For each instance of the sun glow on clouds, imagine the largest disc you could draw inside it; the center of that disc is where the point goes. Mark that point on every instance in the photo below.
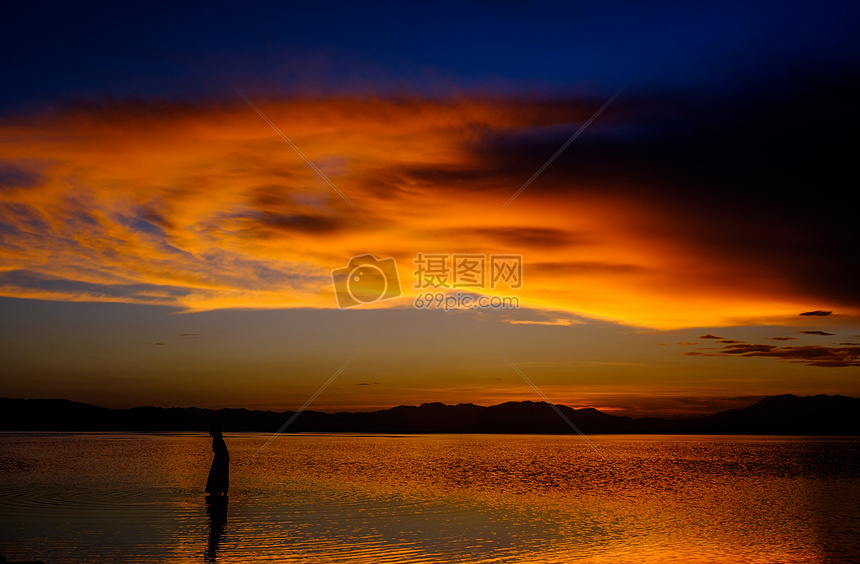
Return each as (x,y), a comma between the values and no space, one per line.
(204,207)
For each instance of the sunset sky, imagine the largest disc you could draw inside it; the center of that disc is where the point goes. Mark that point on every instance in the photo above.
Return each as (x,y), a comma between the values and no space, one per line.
(164,242)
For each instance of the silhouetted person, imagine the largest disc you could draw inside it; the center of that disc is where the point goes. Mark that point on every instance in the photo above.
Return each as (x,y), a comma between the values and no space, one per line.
(219,473)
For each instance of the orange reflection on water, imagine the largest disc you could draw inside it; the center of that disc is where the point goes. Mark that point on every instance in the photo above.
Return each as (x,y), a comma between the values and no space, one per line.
(438,498)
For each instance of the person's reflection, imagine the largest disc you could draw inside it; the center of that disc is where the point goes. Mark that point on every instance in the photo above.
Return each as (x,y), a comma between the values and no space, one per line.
(216,510)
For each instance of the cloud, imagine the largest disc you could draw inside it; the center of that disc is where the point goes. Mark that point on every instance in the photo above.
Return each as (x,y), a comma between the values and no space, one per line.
(525,237)
(709,336)
(701,147)
(747,349)
(302,223)
(809,355)
(586,268)
(557,322)
(202,206)
(816,313)
(816,333)
(19,175)
(527,316)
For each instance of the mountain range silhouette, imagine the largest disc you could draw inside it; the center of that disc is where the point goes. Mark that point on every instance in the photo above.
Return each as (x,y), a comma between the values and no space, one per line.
(775,415)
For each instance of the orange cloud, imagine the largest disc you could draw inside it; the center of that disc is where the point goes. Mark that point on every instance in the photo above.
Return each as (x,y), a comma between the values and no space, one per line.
(205,207)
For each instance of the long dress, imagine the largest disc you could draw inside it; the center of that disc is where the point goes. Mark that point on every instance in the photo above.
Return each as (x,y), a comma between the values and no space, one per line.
(219,472)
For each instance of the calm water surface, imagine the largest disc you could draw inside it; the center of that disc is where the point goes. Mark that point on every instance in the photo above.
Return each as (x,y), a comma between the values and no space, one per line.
(431,499)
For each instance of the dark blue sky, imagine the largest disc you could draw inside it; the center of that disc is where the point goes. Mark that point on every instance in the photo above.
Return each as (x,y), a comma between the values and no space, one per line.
(182,51)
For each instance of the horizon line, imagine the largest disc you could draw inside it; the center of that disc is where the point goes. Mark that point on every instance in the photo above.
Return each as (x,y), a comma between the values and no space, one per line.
(754,402)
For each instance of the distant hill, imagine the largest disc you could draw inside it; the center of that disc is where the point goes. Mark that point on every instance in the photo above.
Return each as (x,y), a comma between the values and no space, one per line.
(787,415)
(777,415)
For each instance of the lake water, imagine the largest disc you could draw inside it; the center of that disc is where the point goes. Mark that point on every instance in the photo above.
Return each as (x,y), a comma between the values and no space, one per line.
(432,499)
